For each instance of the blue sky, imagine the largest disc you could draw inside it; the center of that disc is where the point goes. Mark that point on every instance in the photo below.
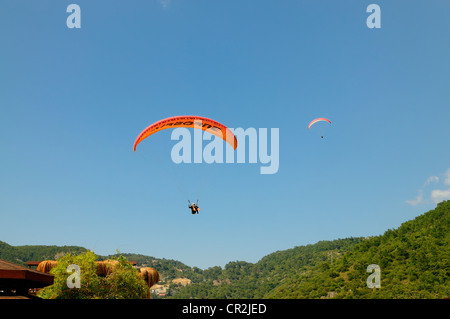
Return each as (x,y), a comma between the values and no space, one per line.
(72,102)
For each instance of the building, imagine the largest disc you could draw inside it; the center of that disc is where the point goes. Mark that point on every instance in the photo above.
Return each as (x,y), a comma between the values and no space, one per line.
(19,282)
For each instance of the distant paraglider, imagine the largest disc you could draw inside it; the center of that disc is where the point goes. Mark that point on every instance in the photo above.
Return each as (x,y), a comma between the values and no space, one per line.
(320,119)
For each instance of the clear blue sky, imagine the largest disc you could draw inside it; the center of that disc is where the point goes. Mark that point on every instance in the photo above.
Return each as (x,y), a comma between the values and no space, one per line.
(72,102)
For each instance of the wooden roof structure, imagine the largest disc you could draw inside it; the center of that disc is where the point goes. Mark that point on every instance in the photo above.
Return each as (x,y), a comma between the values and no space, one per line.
(17,280)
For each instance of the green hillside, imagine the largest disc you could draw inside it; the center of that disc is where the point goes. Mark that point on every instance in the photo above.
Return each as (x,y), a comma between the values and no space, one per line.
(168,269)
(414,261)
(240,279)
(21,254)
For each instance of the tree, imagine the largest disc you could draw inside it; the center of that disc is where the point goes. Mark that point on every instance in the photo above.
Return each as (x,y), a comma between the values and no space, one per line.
(122,283)
(90,283)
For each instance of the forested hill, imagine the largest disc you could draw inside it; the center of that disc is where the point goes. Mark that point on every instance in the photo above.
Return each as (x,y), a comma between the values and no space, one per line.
(240,279)
(414,262)
(21,254)
(169,269)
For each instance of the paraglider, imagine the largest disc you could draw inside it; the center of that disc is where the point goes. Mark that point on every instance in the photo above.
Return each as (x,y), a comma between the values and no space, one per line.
(197,122)
(194,207)
(189,121)
(320,119)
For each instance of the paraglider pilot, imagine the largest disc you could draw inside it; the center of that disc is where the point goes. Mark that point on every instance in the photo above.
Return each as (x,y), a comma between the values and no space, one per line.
(194,208)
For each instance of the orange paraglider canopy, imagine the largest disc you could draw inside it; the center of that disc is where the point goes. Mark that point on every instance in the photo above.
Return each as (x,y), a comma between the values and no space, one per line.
(197,122)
